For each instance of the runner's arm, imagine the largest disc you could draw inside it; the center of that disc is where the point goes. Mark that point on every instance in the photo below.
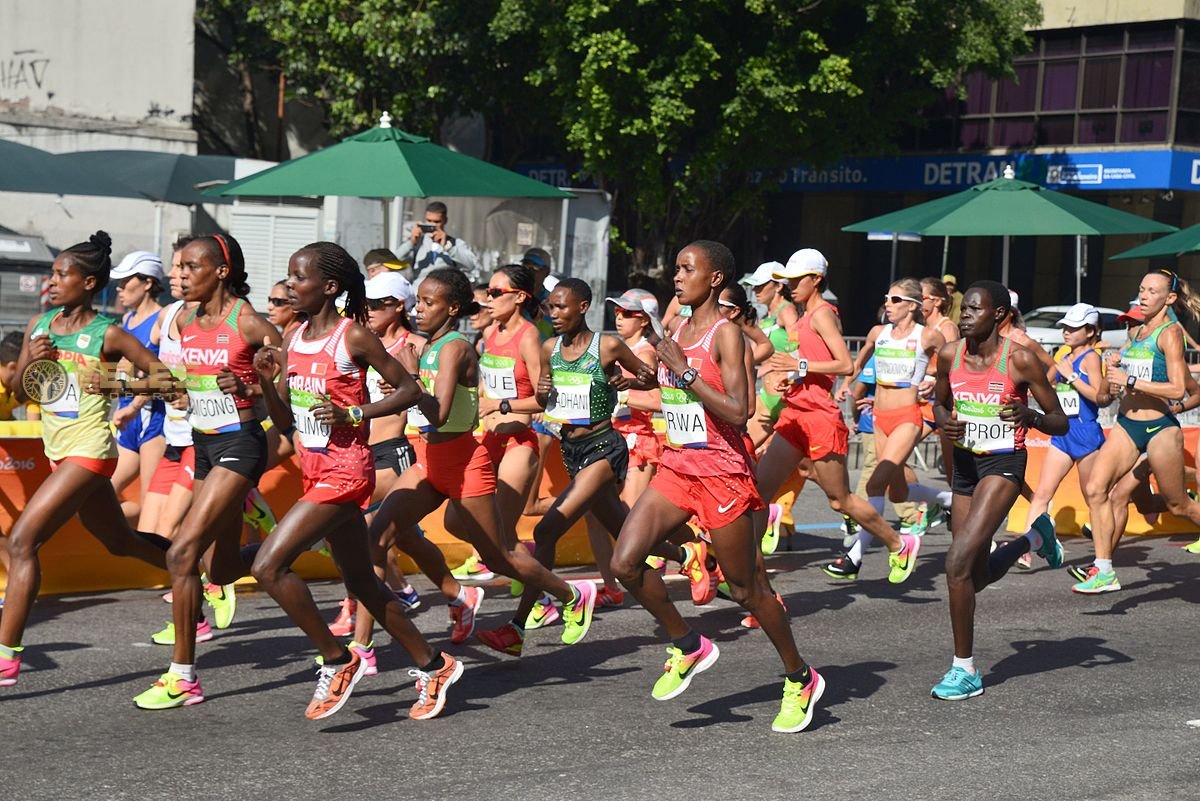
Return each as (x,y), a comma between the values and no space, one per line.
(729,351)
(829,328)
(1027,367)
(614,351)
(454,369)
(367,350)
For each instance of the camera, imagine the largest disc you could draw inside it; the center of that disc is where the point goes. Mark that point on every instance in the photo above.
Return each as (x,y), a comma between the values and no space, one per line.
(428,228)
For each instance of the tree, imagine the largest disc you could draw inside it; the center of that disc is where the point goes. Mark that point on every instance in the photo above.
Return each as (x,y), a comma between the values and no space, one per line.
(683,111)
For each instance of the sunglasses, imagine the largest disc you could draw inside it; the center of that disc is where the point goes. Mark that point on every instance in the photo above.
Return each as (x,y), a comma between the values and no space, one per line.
(729,304)
(375,304)
(277,302)
(496,292)
(899,299)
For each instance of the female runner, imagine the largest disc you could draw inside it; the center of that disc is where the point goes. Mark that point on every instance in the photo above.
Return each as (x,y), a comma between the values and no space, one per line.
(322,392)
(77,339)
(780,318)
(706,472)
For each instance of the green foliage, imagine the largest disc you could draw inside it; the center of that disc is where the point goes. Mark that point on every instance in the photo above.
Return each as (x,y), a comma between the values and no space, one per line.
(684,110)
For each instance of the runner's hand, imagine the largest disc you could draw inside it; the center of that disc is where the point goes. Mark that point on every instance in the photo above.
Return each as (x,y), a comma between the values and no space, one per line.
(488,406)
(123,416)
(266,364)
(407,356)
(865,403)
(842,394)
(40,348)
(329,413)
(229,383)
(670,354)
(925,389)
(954,429)
(1018,413)
(620,381)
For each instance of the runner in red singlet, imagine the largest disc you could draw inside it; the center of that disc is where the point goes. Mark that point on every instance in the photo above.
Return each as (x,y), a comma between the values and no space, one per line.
(706,472)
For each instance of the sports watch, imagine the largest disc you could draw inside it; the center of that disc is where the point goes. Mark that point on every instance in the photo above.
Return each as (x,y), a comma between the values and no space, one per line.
(505,407)
(689,376)
(355,413)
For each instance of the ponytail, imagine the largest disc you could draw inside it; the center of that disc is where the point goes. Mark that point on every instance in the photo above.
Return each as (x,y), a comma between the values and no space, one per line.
(93,257)
(226,250)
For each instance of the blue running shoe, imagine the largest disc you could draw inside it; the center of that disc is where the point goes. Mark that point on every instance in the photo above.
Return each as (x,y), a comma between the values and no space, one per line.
(958,685)
(408,598)
(1051,550)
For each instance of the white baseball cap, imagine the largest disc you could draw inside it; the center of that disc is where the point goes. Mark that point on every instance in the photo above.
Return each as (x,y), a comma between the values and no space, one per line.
(389,284)
(639,300)
(807,261)
(1014,300)
(764,273)
(1079,315)
(139,262)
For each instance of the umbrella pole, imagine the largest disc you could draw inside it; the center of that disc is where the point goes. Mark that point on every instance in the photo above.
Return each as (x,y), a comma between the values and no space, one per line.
(895,247)
(1078,269)
(158,228)
(387,218)
(1004,266)
(945,253)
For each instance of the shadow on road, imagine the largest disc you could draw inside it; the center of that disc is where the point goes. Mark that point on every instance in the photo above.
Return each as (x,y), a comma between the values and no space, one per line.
(1043,656)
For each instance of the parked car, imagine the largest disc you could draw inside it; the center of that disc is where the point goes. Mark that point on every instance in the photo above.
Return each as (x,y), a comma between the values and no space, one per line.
(1041,325)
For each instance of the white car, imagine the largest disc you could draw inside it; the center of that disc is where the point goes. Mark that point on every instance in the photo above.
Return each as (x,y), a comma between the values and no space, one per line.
(1041,325)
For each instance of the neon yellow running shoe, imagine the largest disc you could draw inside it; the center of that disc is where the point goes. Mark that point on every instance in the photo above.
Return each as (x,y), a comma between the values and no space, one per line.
(223,601)
(904,561)
(1193,548)
(167,635)
(799,700)
(770,538)
(544,613)
(681,668)
(171,690)
(257,512)
(472,570)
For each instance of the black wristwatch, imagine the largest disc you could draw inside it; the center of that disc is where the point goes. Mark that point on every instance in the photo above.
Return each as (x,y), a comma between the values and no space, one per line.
(689,376)
(1130,381)
(505,407)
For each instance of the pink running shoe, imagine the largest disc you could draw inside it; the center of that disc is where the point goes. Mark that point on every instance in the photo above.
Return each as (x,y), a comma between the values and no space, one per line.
(10,668)
(367,654)
(463,615)
(702,581)
(343,624)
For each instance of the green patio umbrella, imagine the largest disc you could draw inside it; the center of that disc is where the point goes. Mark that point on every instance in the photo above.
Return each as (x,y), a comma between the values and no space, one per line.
(386,162)
(1176,244)
(162,177)
(28,169)
(1008,207)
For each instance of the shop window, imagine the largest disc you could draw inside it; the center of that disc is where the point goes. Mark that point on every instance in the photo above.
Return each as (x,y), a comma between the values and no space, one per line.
(1060,79)
(1148,80)
(1144,127)
(1013,132)
(1097,129)
(1101,82)
(1017,95)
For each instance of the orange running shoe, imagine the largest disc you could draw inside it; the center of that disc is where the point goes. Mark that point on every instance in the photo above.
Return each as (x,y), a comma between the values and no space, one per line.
(343,624)
(609,597)
(431,688)
(703,582)
(334,685)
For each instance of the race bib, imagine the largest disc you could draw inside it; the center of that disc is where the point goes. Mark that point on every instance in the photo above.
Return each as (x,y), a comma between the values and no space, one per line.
(374,384)
(684,414)
(313,435)
(985,431)
(210,408)
(416,419)
(894,366)
(1068,399)
(499,376)
(571,401)
(1139,363)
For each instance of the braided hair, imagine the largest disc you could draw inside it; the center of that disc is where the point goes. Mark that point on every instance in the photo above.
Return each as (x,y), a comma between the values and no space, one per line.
(457,289)
(93,257)
(337,265)
(224,249)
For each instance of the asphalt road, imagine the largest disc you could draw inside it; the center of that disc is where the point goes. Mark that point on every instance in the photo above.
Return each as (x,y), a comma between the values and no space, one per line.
(1087,698)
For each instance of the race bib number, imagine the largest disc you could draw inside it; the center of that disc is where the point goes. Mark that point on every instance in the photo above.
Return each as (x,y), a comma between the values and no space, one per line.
(210,408)
(894,366)
(313,434)
(571,401)
(374,385)
(1068,399)
(985,431)
(684,415)
(499,376)
(416,419)
(1139,363)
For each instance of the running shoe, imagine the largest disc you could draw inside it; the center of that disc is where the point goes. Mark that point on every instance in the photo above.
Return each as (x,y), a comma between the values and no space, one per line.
(544,613)
(577,616)
(516,588)
(657,563)
(431,688)
(343,624)
(1193,548)
(1025,561)
(367,654)
(927,518)
(1098,582)
(1086,530)
(607,596)
(223,601)
(799,701)
(904,561)
(1051,550)
(751,622)
(702,581)
(463,615)
(681,668)
(171,690)
(257,512)
(841,569)
(1079,572)
(849,531)
(958,685)
(770,538)
(507,639)
(334,685)
(408,598)
(10,668)
(204,633)
(168,597)
(472,570)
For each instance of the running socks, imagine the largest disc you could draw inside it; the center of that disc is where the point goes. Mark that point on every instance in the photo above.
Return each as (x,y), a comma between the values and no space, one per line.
(1104,565)
(10,651)
(861,541)
(185,672)
(688,643)
(434,664)
(344,659)
(1035,539)
(461,598)
(919,493)
(877,501)
(802,676)
(966,663)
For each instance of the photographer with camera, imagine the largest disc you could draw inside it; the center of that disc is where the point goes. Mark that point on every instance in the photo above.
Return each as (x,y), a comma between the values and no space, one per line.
(429,247)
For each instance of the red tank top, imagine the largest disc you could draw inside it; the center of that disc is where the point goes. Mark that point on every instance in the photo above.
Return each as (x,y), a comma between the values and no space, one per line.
(626,419)
(814,391)
(204,354)
(503,373)
(319,370)
(978,398)
(698,442)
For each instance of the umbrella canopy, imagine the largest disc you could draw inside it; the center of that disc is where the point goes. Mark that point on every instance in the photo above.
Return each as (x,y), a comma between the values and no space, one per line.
(165,177)
(387,162)
(27,169)
(1176,244)
(1008,207)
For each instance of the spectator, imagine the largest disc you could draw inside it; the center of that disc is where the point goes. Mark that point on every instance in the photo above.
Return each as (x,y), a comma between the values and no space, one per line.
(379,259)
(10,351)
(435,248)
(955,309)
